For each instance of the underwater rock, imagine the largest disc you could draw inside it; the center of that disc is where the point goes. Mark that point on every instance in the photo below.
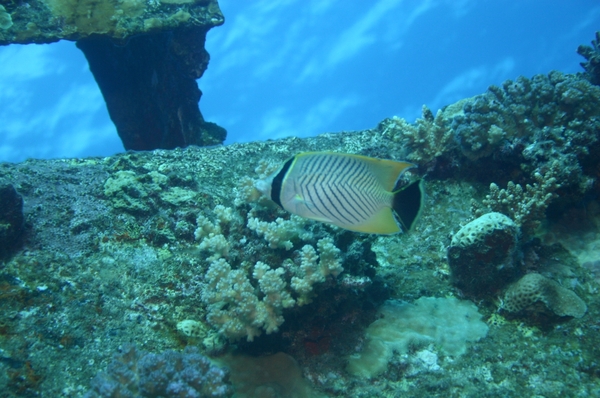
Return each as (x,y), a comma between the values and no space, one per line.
(534,288)
(150,88)
(47,21)
(11,218)
(145,57)
(481,254)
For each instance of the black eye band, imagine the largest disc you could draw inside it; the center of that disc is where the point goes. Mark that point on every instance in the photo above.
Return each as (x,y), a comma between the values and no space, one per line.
(278,181)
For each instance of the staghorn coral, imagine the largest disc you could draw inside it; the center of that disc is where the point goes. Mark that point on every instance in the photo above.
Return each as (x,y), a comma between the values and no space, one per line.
(534,287)
(134,373)
(526,206)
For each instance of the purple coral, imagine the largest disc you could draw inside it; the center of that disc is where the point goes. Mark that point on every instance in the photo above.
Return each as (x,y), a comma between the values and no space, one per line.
(169,374)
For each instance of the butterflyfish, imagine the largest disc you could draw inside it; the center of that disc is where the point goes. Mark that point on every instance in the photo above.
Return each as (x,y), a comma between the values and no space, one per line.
(354,192)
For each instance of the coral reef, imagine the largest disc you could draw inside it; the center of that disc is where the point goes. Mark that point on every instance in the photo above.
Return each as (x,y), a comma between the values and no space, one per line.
(545,118)
(533,288)
(482,255)
(169,374)
(176,248)
(538,137)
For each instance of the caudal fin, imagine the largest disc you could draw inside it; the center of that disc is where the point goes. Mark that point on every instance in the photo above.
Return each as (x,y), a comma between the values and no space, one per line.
(408,203)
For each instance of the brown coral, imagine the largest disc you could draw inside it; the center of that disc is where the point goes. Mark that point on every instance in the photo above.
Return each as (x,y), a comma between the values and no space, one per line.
(535,287)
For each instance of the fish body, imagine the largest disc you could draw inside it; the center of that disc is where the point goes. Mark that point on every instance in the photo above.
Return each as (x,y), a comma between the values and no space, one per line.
(351,191)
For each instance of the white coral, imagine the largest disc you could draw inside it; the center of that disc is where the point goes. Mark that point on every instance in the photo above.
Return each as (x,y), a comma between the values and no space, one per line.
(237,308)
(315,268)
(205,227)
(216,244)
(279,233)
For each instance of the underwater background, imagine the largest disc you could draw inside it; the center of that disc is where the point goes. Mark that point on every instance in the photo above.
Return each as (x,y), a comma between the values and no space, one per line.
(168,273)
(302,68)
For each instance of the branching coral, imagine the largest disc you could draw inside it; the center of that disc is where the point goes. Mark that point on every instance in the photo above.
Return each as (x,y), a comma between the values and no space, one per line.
(427,139)
(525,206)
(315,268)
(240,307)
(233,303)
(592,56)
(210,233)
(280,232)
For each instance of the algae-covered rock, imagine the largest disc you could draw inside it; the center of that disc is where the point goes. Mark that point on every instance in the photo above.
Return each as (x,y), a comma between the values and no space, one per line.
(47,21)
(11,218)
(481,254)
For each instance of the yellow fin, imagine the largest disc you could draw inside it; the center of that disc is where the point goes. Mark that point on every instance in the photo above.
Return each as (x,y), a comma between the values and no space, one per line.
(387,171)
(382,222)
